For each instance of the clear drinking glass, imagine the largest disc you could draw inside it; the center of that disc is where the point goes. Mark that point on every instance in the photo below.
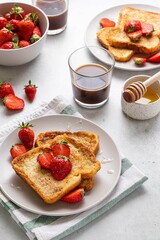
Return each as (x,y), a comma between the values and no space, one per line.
(91,74)
(56,11)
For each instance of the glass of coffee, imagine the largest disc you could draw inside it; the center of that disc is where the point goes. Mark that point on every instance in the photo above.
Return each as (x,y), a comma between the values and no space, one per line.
(91,73)
(56,11)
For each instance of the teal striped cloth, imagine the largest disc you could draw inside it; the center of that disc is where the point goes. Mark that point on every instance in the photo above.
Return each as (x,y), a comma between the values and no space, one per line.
(38,227)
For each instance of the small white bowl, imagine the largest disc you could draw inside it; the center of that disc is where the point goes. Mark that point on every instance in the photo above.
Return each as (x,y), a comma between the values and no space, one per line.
(15,57)
(137,110)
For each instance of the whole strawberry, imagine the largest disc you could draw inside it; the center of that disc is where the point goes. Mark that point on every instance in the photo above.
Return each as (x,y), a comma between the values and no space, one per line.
(30,91)
(60,167)
(5,89)
(26,28)
(5,35)
(26,135)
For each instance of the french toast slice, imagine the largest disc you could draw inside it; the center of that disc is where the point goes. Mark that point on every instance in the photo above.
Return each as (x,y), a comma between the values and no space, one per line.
(84,166)
(121,55)
(40,179)
(119,39)
(129,13)
(89,139)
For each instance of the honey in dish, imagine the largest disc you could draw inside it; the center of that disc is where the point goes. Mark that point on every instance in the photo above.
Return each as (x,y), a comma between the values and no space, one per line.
(149,97)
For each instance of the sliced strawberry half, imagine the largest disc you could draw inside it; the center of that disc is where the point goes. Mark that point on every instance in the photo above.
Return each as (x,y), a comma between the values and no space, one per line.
(61,149)
(45,160)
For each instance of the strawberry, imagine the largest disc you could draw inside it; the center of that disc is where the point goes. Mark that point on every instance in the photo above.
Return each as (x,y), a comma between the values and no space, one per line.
(154,58)
(5,35)
(37,31)
(105,22)
(15,13)
(61,149)
(5,89)
(135,36)
(147,29)
(7,45)
(26,135)
(3,22)
(26,28)
(75,196)
(60,167)
(33,17)
(36,34)
(30,91)
(17,150)
(23,43)
(13,25)
(132,26)
(45,159)
(139,60)
(13,102)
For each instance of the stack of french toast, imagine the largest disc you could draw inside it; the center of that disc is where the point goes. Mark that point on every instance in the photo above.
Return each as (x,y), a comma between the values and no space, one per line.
(116,40)
(83,148)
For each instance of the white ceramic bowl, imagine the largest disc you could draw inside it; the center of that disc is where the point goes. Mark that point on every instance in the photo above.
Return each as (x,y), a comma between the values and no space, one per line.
(137,110)
(15,57)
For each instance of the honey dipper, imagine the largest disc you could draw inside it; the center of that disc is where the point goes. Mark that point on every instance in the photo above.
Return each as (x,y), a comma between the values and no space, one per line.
(136,90)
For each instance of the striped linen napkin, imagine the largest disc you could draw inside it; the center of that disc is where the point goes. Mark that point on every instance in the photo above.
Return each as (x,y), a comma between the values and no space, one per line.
(52,227)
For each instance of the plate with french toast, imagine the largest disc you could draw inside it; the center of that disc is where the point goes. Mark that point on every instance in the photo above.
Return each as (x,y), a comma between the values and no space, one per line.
(93,156)
(133,51)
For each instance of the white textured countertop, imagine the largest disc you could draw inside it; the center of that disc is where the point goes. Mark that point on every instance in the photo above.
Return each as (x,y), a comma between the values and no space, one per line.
(138,215)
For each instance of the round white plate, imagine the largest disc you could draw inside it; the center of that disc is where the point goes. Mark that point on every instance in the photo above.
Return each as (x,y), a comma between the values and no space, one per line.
(105,180)
(113,13)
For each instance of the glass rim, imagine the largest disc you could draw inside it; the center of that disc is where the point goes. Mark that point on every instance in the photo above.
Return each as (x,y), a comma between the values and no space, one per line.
(87,47)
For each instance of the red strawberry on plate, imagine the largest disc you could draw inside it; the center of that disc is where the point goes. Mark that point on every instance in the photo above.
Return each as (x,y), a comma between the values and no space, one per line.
(75,196)
(60,167)
(45,159)
(132,26)
(30,91)
(17,150)
(5,89)
(61,149)
(105,22)
(154,58)
(26,135)
(13,102)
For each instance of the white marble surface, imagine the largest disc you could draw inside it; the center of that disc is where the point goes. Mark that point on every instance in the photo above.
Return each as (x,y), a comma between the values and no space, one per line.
(137,216)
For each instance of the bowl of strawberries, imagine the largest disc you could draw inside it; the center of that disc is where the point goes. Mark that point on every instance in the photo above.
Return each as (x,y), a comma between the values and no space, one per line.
(23,31)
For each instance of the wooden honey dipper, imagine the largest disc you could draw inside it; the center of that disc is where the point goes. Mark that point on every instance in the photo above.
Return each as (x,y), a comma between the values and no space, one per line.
(136,90)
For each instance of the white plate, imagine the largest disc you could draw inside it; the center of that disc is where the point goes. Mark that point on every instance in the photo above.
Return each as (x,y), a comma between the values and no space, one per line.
(112,13)
(21,194)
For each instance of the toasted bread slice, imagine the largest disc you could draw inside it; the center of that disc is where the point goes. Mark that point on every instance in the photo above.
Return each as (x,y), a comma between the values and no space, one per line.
(121,55)
(41,180)
(129,13)
(84,165)
(89,139)
(119,39)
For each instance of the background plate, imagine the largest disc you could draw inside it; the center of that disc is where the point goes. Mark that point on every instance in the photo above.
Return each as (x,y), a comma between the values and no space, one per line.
(21,194)
(113,13)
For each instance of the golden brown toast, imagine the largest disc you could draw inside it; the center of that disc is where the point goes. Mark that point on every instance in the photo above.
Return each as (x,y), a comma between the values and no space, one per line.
(121,55)
(119,39)
(84,166)
(41,180)
(129,13)
(89,139)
